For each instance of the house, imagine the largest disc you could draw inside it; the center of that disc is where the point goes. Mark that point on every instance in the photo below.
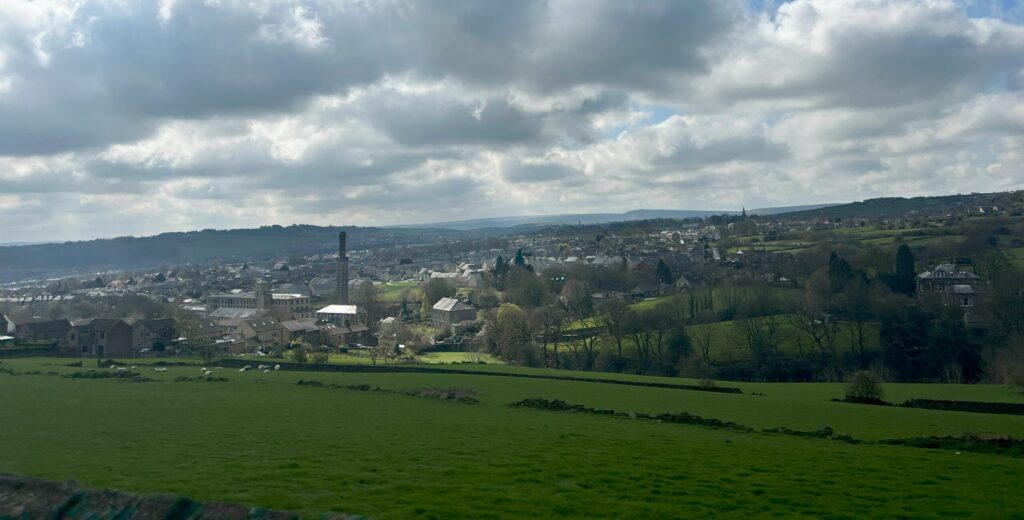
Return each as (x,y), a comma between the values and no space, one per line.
(301,330)
(6,341)
(641,292)
(336,335)
(101,337)
(6,325)
(154,335)
(51,331)
(207,332)
(448,312)
(261,333)
(951,284)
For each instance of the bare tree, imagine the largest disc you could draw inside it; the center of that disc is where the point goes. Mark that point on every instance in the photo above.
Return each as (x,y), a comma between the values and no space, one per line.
(613,316)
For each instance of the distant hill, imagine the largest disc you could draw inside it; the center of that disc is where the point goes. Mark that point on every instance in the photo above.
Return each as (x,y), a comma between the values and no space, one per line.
(596,218)
(264,243)
(891,207)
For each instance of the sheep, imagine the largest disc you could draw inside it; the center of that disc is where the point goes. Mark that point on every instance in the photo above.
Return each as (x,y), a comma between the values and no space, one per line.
(266,370)
(160,369)
(277,367)
(121,369)
(112,367)
(134,367)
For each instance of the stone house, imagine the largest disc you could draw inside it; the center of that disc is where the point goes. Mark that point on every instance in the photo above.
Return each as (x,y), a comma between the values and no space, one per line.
(952,284)
(55,331)
(155,335)
(448,312)
(101,337)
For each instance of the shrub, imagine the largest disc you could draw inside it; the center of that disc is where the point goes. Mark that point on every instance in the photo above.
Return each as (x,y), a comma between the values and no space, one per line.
(865,387)
(708,384)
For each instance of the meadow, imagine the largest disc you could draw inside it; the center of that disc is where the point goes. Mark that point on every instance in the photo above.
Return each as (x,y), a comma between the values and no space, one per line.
(264,440)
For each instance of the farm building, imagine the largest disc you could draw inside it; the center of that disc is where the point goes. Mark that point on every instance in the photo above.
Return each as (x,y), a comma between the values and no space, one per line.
(448,312)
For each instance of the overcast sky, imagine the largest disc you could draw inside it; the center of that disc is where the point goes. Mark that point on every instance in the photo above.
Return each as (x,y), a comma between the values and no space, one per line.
(137,117)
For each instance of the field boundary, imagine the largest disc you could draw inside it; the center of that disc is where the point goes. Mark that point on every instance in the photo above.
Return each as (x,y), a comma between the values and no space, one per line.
(369,369)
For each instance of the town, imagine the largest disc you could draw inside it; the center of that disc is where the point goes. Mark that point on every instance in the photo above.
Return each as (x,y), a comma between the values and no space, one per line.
(800,297)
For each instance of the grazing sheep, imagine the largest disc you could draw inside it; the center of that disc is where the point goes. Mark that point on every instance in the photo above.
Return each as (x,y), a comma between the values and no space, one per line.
(266,370)
(121,369)
(160,369)
(134,367)
(277,367)
(112,367)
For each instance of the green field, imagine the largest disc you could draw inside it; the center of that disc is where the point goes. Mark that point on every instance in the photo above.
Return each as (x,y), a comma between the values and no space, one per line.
(392,291)
(263,440)
(1017,256)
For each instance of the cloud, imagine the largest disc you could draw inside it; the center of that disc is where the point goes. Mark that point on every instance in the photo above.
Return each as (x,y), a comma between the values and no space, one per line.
(124,117)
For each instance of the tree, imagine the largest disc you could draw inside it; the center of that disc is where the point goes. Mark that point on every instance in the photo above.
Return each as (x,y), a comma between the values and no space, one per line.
(550,320)
(299,354)
(509,334)
(663,273)
(613,316)
(519,260)
(704,333)
(840,272)
(435,289)
(371,309)
(525,289)
(577,297)
(905,271)
(856,304)
(865,387)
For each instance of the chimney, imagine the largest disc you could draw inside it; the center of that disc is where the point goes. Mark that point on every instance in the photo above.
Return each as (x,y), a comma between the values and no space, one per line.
(342,290)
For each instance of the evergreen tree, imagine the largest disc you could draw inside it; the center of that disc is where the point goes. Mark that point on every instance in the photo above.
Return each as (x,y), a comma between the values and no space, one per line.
(905,271)
(519,260)
(663,272)
(500,267)
(840,273)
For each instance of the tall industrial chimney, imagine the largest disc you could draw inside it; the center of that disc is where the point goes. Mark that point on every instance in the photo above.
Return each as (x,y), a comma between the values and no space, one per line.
(342,292)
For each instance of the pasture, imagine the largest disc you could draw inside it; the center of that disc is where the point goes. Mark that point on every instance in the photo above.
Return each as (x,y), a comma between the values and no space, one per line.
(264,440)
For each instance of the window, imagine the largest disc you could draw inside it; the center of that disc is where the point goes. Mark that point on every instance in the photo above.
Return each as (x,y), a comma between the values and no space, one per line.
(968,302)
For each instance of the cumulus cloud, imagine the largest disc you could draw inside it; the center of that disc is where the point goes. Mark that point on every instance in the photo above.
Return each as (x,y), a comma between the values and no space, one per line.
(137,117)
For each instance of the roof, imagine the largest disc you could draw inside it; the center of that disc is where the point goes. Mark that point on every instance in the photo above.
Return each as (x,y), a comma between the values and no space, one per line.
(156,323)
(451,304)
(98,324)
(236,313)
(339,309)
(948,271)
(285,296)
(299,326)
(43,327)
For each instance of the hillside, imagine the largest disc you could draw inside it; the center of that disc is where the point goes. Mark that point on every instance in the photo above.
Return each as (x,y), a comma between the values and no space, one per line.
(890,207)
(269,242)
(602,218)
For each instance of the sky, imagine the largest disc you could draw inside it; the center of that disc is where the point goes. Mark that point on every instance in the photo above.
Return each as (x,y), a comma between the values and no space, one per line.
(123,117)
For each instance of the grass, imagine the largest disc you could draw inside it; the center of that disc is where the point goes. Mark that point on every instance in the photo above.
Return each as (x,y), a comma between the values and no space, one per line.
(1017,256)
(458,357)
(260,439)
(392,291)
